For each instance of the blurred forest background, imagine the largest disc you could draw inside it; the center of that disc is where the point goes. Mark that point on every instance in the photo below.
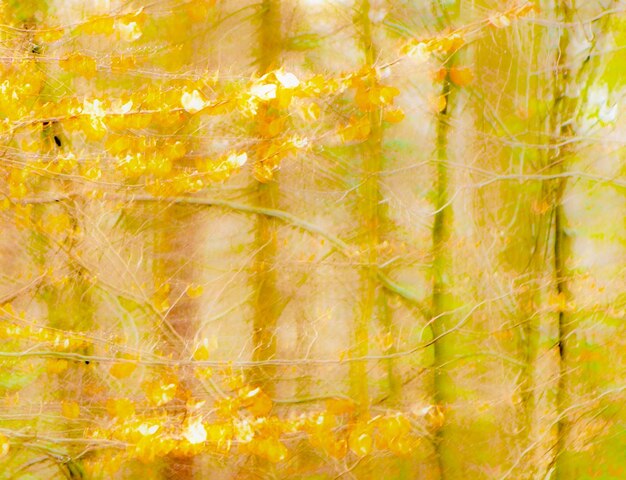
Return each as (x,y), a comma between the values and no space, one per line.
(312,239)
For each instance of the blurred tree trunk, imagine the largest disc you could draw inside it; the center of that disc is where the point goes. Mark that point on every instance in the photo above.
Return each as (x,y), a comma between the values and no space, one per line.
(505,83)
(574,76)
(372,223)
(562,148)
(176,254)
(267,301)
(66,291)
(442,295)
(178,261)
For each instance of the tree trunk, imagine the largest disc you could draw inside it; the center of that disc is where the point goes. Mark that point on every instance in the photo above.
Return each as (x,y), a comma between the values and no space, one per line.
(442,302)
(267,300)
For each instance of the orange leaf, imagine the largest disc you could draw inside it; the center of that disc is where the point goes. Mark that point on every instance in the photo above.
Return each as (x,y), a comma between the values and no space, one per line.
(461,76)
(439,75)
(336,448)
(393,115)
(257,402)
(358,129)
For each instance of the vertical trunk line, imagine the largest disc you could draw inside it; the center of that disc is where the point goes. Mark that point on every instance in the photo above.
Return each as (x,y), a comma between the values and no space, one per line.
(266,305)
(441,267)
(565,328)
(561,128)
(373,221)
(168,252)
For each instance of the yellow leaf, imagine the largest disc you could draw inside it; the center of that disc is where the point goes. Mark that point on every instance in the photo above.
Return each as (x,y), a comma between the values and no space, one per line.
(122,369)
(118,144)
(138,120)
(419,51)
(340,406)
(256,401)
(391,427)
(159,393)
(174,149)
(194,291)
(434,416)
(91,172)
(403,445)
(121,408)
(79,64)
(336,448)
(128,32)
(50,35)
(461,76)
(286,79)
(439,104)
(387,94)
(4,446)
(450,43)
(263,91)
(193,102)
(311,111)
(237,160)
(272,449)
(457,41)
(275,126)
(263,173)
(360,442)
(358,129)
(559,303)
(203,351)
(70,410)
(198,10)
(195,432)
(147,429)
(122,63)
(393,115)
(97,26)
(56,366)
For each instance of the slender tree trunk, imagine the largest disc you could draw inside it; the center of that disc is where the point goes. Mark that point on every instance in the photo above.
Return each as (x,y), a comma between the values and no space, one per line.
(369,215)
(441,296)
(442,301)
(267,306)
(176,251)
(527,231)
(563,114)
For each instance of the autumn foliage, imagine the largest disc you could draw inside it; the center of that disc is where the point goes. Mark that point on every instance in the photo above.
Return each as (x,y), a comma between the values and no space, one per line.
(117,127)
